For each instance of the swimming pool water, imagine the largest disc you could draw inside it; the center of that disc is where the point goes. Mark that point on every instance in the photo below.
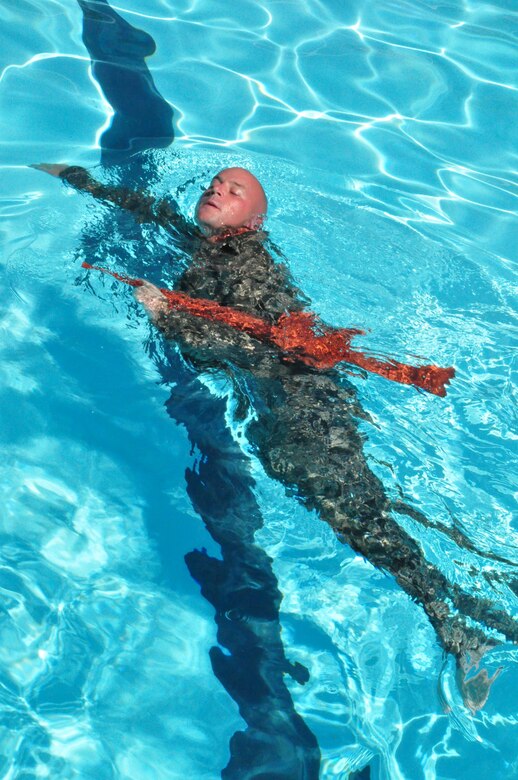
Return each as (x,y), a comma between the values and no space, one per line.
(385,136)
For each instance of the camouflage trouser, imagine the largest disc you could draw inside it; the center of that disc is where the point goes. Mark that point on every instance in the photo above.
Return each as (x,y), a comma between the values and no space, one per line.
(306,436)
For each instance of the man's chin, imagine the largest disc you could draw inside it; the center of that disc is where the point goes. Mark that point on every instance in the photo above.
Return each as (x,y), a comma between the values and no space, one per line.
(214,227)
(208,228)
(208,223)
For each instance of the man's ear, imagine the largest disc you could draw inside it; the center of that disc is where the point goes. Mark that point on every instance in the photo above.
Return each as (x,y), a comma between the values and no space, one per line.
(255,222)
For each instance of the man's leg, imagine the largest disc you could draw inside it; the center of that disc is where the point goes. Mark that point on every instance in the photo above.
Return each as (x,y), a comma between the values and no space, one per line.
(306,436)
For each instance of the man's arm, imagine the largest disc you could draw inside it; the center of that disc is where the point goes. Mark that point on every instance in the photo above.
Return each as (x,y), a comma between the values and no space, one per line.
(144,207)
(153,300)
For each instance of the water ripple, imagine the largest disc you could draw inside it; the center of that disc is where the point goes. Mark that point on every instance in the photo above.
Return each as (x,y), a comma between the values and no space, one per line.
(385,135)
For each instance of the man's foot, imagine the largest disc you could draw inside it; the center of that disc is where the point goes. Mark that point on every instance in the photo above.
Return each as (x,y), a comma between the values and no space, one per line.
(474,689)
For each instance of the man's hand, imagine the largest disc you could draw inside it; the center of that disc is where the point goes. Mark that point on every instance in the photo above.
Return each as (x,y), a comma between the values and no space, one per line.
(152,299)
(54,169)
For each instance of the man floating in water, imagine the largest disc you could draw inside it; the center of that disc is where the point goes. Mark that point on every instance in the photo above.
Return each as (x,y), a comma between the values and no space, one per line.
(304,431)
(304,425)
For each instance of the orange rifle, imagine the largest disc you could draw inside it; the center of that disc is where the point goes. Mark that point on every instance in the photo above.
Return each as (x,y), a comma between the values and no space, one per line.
(302,336)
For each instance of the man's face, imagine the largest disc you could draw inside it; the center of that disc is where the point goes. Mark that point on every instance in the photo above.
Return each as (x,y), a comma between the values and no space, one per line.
(233,199)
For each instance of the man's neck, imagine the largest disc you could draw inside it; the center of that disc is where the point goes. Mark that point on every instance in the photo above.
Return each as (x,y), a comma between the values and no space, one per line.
(222,235)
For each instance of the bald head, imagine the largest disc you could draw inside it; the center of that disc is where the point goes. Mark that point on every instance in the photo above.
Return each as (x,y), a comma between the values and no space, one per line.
(234,199)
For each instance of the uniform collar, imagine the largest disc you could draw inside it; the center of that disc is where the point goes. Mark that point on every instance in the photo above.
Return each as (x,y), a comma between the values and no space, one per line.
(227,235)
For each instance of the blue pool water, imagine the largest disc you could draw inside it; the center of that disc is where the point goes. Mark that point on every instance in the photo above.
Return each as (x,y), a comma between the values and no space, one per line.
(385,136)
